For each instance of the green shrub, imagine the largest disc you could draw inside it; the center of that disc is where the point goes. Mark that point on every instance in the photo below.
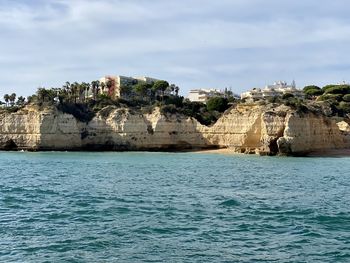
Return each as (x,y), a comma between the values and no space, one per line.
(338,89)
(274,99)
(80,111)
(219,104)
(325,88)
(332,97)
(171,108)
(344,106)
(313,92)
(13,109)
(346,98)
(287,96)
(175,100)
(147,109)
(311,87)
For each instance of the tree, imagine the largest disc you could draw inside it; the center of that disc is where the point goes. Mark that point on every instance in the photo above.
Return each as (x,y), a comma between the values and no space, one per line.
(7,99)
(338,89)
(12,98)
(66,86)
(287,96)
(66,91)
(32,98)
(159,87)
(311,87)
(87,89)
(83,91)
(177,91)
(330,97)
(325,88)
(74,90)
(46,95)
(95,85)
(20,101)
(174,89)
(125,91)
(313,92)
(110,86)
(103,86)
(219,104)
(142,89)
(228,93)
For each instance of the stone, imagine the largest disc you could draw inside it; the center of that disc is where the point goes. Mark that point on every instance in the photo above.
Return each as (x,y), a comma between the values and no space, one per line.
(257,129)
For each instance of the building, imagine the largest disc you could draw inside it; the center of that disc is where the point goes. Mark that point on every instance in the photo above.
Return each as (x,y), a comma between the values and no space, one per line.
(278,89)
(148,80)
(119,86)
(202,95)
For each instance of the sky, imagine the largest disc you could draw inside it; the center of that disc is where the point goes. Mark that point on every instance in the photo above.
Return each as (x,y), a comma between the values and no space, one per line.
(238,44)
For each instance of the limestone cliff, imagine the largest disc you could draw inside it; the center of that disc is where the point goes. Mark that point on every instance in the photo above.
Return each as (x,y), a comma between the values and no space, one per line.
(245,129)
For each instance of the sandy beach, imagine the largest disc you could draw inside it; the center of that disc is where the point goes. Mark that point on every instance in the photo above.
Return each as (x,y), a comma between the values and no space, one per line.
(324,153)
(219,151)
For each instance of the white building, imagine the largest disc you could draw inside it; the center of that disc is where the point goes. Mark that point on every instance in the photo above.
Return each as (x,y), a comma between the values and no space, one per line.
(202,95)
(278,89)
(146,79)
(114,85)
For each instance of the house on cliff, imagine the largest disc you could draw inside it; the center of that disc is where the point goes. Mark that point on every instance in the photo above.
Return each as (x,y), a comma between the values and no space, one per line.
(278,89)
(202,95)
(120,86)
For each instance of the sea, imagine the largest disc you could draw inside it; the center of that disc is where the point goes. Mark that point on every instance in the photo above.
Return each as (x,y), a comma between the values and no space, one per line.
(173,207)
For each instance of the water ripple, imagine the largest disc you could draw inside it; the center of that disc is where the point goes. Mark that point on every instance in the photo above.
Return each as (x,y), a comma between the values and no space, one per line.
(165,207)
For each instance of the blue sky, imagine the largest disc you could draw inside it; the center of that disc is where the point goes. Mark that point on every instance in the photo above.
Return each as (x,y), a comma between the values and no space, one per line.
(194,43)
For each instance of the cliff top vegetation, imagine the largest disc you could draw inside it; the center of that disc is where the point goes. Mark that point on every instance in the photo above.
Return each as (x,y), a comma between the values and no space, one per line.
(84,100)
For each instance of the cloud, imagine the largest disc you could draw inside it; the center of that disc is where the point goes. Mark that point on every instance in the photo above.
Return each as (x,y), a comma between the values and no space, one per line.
(194,43)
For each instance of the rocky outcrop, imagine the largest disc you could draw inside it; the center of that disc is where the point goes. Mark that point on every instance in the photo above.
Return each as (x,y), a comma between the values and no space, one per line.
(249,129)
(256,129)
(39,130)
(123,129)
(310,133)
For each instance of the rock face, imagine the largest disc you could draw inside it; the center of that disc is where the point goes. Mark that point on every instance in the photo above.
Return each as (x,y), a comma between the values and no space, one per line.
(245,129)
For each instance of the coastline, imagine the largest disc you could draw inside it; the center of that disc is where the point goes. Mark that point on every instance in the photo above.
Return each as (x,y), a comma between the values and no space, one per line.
(322,153)
(331,153)
(217,151)
(227,151)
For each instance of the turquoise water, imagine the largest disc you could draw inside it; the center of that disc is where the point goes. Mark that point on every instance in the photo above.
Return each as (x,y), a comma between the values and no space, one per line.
(173,207)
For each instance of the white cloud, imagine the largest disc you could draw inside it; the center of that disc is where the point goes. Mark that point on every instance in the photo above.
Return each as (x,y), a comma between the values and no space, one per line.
(194,42)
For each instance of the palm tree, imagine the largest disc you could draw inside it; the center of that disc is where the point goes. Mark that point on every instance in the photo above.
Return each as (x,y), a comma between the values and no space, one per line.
(66,86)
(103,86)
(95,87)
(177,91)
(80,92)
(74,90)
(110,86)
(172,88)
(67,90)
(12,98)
(84,89)
(87,89)
(7,98)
